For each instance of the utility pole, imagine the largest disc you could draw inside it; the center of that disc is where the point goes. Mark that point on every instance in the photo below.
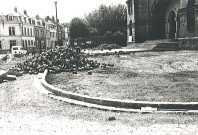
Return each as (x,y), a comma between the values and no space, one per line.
(57,23)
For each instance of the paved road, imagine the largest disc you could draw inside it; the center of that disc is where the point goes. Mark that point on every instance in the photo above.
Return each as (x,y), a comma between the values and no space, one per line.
(24,110)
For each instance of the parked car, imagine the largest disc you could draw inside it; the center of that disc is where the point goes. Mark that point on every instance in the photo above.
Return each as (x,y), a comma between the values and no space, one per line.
(18,50)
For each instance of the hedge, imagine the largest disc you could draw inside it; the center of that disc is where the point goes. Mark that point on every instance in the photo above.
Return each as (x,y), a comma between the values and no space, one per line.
(92,42)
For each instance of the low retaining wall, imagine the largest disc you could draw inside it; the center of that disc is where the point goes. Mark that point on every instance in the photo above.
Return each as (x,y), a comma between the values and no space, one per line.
(188,43)
(119,103)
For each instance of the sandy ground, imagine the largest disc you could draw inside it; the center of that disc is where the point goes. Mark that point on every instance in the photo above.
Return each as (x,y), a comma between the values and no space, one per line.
(24,110)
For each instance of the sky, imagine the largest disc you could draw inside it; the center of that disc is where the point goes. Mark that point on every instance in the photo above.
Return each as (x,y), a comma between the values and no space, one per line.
(67,9)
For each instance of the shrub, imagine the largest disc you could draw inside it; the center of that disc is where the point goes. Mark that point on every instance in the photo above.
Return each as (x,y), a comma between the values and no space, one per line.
(107,46)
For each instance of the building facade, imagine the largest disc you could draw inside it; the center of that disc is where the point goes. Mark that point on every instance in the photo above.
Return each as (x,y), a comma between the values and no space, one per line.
(40,34)
(20,29)
(10,31)
(52,33)
(27,27)
(60,31)
(162,19)
(62,35)
(67,34)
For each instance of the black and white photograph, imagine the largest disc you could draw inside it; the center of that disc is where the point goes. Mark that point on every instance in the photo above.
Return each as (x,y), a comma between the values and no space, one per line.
(99,67)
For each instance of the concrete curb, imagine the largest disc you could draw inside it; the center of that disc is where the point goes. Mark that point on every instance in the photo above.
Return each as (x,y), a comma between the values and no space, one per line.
(133,106)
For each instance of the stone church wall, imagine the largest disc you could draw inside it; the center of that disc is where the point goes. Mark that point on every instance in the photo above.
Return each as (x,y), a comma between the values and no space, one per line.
(147,12)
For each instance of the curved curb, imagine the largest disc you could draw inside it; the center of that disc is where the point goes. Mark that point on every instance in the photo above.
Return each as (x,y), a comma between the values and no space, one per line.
(136,106)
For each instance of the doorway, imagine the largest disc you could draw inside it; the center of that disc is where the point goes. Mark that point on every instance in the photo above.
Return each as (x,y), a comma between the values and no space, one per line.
(172,24)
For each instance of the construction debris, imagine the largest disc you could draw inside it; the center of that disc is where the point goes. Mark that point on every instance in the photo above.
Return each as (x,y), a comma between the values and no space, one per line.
(12,72)
(10,77)
(2,75)
(111,118)
(56,61)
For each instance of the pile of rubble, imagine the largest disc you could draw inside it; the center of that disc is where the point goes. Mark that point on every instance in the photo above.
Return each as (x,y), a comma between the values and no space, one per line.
(56,61)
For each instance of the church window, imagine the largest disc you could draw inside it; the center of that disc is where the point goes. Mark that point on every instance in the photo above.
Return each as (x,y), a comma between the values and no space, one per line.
(129,4)
(191,15)
(130,28)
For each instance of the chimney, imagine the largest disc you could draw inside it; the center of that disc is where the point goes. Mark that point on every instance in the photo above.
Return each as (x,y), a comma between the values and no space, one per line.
(15,9)
(25,12)
(37,17)
(53,19)
(46,18)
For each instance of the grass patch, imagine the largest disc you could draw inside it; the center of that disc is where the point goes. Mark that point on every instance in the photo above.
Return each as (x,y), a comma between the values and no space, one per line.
(138,78)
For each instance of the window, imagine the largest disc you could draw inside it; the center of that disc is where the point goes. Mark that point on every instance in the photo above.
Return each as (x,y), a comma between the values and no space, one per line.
(25,43)
(0,45)
(10,18)
(15,48)
(11,31)
(32,32)
(30,21)
(43,23)
(28,32)
(38,23)
(20,19)
(24,31)
(191,15)
(59,35)
(12,43)
(33,22)
(129,5)
(130,28)
(42,33)
(25,19)
(39,33)
(15,18)
(29,42)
